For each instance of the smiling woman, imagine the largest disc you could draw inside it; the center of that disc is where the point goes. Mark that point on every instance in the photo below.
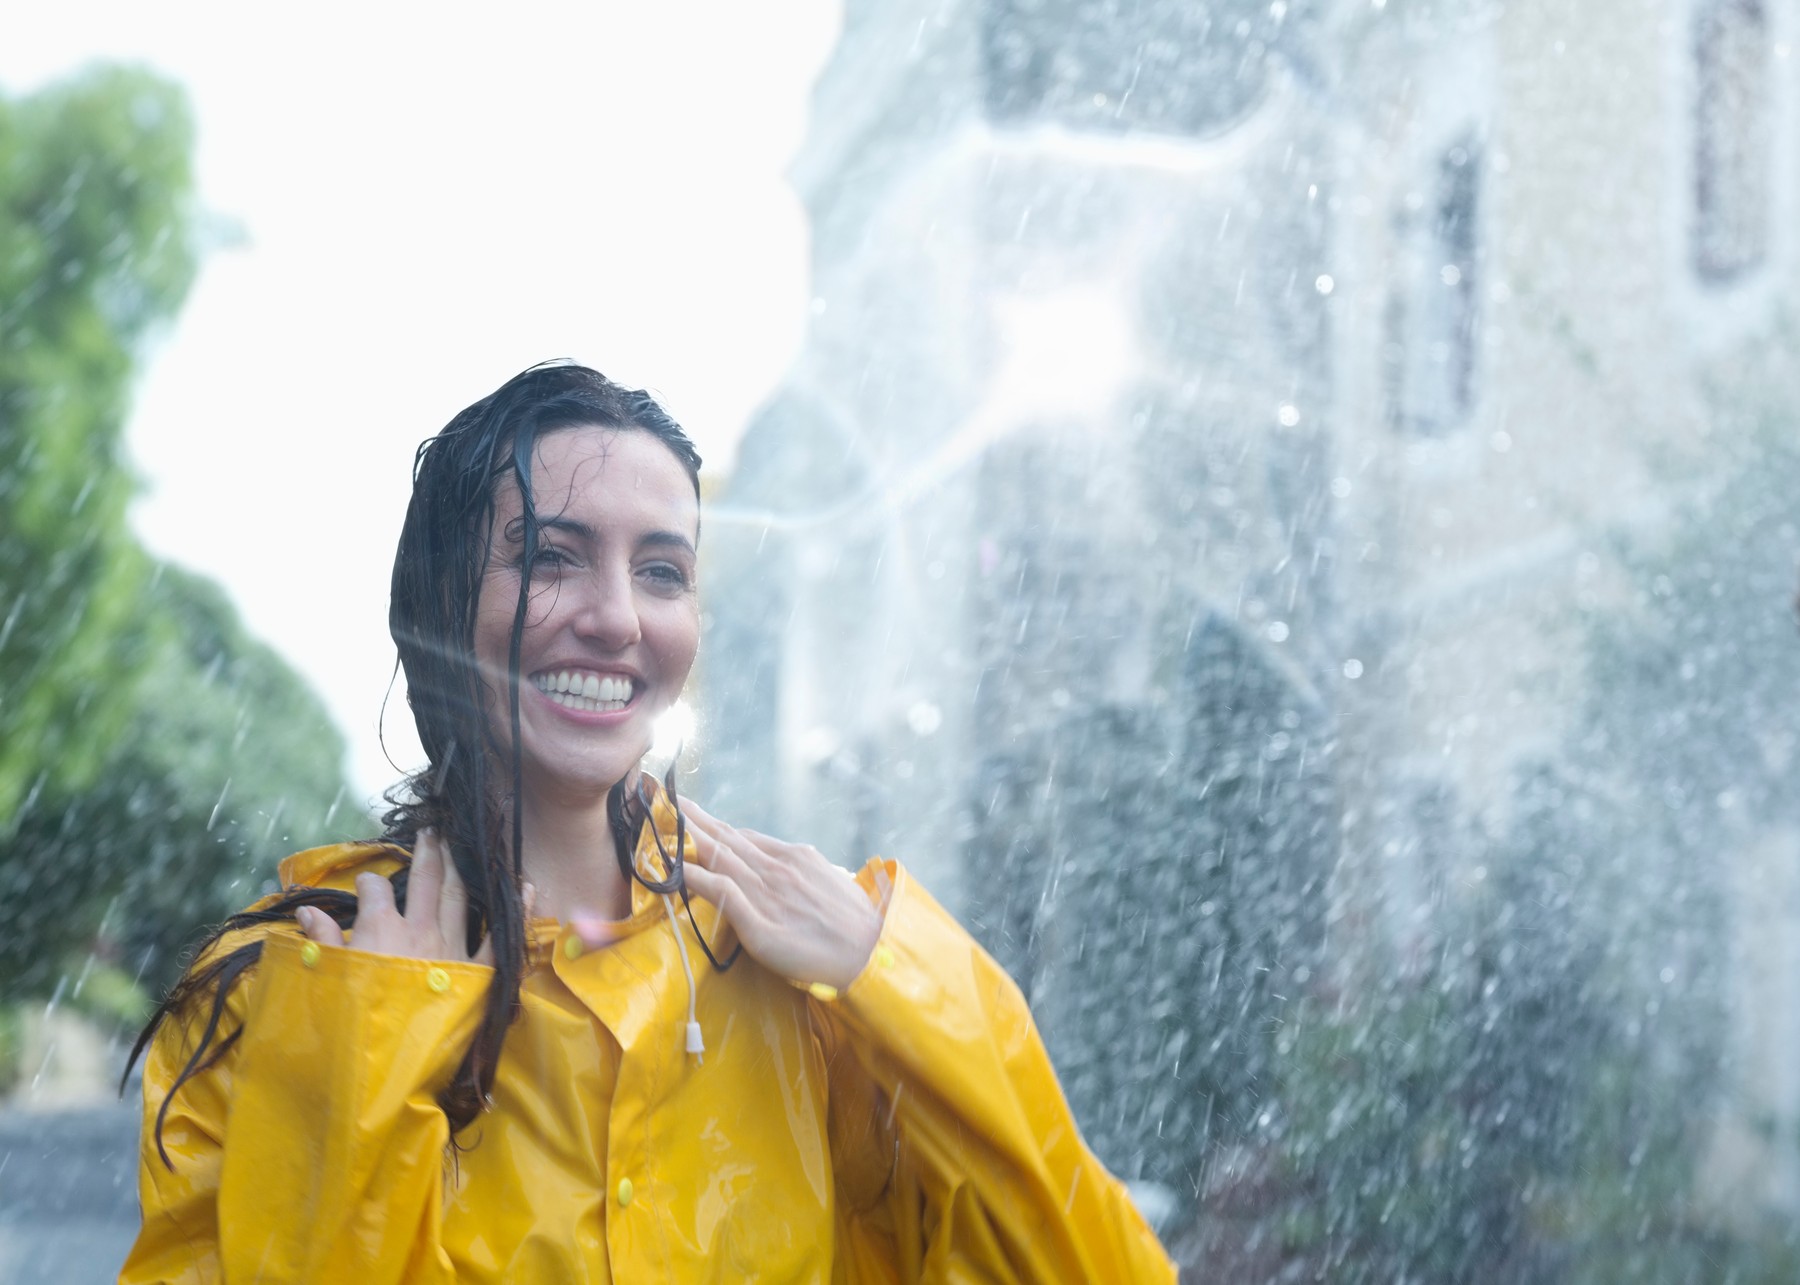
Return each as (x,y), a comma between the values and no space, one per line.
(612,622)
(478,1048)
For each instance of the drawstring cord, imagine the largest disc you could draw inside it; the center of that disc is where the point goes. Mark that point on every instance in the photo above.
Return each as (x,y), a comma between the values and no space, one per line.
(668,888)
(672,863)
(695,1044)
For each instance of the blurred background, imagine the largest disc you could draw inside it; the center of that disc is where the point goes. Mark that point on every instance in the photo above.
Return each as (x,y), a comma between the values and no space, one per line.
(1281,512)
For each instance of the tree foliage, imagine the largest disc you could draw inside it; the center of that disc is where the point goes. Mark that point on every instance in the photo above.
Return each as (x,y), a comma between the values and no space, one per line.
(150,751)
(227,761)
(96,247)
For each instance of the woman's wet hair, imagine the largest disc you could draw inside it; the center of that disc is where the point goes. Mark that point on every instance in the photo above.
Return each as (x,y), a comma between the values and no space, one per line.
(439,567)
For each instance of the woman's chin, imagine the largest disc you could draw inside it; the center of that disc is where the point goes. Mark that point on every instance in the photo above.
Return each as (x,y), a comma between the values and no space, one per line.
(576,767)
(577,785)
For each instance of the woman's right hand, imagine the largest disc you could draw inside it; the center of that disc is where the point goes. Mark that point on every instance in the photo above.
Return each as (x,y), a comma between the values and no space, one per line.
(435,925)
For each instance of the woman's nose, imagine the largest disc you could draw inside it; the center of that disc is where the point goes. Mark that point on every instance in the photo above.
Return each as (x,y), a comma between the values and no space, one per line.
(607,612)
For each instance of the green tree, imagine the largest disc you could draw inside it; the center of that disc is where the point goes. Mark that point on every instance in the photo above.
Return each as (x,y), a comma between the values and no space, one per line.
(227,762)
(96,248)
(154,759)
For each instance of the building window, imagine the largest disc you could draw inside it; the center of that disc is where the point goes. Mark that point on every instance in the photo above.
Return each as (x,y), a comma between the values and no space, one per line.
(1731,138)
(1433,314)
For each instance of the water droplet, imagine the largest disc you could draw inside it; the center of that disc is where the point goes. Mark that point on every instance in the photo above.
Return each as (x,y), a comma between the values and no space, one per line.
(924,718)
(818,744)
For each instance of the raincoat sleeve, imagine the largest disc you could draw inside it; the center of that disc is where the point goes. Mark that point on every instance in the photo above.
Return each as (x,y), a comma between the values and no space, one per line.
(947,1093)
(314,1150)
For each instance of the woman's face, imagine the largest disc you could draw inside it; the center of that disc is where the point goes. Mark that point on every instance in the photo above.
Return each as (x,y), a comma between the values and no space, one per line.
(612,621)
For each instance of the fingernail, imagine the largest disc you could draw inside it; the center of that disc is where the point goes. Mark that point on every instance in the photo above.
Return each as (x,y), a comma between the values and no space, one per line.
(593,930)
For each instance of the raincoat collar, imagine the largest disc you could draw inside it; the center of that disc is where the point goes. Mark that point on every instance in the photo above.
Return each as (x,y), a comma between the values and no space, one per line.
(317,866)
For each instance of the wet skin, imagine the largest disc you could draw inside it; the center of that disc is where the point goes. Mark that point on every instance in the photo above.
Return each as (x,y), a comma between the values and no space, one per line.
(612,625)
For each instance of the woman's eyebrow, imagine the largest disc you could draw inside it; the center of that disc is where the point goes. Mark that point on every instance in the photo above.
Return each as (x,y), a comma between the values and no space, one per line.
(569,526)
(654,538)
(582,531)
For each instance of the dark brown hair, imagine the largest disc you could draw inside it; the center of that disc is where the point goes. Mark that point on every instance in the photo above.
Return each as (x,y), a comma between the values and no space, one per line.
(438,570)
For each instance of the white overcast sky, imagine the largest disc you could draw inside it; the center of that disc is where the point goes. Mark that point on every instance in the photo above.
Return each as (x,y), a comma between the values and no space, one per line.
(430,199)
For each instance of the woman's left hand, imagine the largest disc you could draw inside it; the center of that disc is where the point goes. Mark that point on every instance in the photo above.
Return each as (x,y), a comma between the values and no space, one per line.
(795,912)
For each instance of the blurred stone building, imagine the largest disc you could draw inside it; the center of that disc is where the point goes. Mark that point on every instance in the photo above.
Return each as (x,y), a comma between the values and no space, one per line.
(1218,431)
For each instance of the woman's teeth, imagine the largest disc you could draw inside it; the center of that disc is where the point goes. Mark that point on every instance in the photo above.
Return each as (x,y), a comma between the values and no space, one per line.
(588,692)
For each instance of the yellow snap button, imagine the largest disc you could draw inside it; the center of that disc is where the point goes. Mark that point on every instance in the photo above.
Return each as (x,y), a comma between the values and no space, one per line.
(572,947)
(624,1192)
(821,990)
(438,980)
(309,954)
(884,955)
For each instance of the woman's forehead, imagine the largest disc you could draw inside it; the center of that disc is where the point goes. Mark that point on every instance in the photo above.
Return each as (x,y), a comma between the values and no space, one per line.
(604,470)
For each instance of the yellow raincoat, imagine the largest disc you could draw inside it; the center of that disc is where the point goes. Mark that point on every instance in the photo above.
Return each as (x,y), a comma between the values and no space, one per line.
(909,1129)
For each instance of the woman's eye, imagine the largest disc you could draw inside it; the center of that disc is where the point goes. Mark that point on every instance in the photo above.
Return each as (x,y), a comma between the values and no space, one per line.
(665,575)
(549,558)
